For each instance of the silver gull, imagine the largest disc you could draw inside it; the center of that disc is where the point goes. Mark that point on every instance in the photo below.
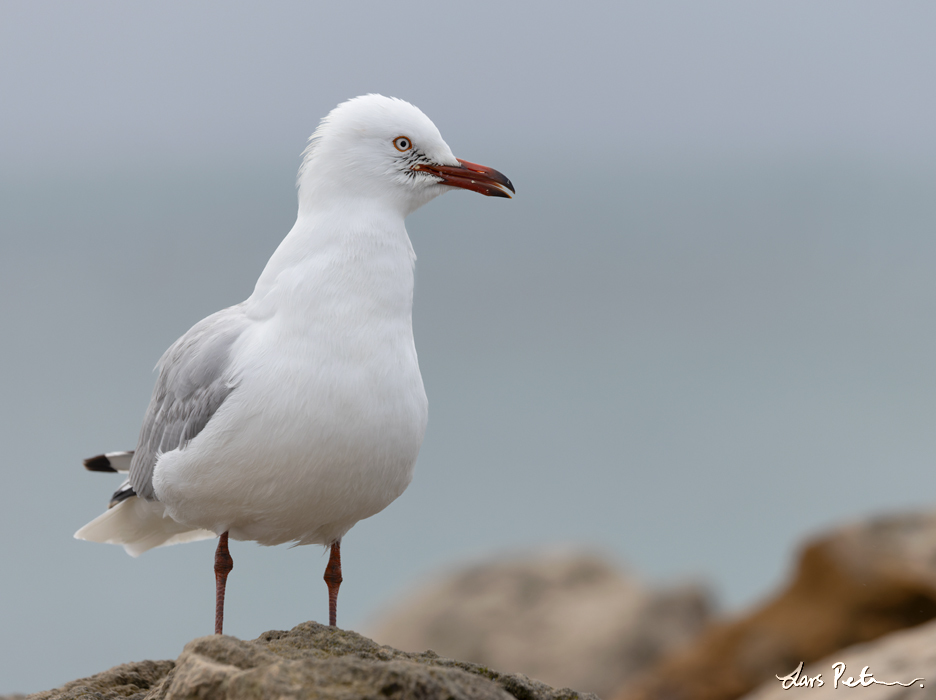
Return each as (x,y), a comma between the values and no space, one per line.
(293,415)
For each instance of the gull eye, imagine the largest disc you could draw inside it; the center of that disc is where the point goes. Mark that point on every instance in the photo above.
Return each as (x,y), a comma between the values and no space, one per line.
(402,143)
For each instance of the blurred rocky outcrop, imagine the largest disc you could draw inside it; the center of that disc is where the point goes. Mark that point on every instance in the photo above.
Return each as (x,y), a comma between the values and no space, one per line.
(853,585)
(564,618)
(903,664)
(573,620)
(310,661)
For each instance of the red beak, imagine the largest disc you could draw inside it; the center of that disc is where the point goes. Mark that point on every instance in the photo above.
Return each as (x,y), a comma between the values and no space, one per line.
(471,176)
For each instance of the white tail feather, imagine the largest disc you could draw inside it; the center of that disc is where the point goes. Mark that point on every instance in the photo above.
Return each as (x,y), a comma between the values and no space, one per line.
(139,525)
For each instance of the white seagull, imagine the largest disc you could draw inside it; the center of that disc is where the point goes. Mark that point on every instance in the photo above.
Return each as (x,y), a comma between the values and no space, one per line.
(300,411)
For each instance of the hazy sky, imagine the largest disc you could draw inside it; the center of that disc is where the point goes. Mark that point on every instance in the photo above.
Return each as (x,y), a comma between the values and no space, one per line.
(702,331)
(107,83)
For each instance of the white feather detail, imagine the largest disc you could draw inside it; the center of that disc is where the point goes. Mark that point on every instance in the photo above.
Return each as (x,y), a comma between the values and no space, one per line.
(120,460)
(139,525)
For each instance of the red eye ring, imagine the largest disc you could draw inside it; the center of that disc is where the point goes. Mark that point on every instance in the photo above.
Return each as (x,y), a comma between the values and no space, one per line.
(402,144)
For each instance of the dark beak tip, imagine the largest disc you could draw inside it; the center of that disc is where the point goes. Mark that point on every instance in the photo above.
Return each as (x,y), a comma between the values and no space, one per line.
(503,184)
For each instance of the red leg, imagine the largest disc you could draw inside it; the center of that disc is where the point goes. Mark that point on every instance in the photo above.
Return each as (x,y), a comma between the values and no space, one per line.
(333,580)
(223,566)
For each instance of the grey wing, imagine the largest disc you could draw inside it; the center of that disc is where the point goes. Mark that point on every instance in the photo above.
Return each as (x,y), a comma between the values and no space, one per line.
(194,380)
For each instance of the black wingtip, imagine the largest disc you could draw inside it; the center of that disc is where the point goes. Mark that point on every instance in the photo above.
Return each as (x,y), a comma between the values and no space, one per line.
(122,494)
(99,463)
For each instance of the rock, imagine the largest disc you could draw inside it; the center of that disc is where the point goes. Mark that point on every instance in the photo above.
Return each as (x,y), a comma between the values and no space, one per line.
(854,585)
(900,657)
(309,661)
(124,681)
(567,619)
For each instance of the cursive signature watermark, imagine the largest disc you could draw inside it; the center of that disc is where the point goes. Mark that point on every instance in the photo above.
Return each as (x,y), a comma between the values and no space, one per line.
(798,679)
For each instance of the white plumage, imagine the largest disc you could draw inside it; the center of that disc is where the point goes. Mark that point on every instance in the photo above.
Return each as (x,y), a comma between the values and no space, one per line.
(300,411)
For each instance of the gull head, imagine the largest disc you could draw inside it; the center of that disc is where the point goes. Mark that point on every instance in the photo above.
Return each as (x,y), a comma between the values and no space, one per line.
(384,150)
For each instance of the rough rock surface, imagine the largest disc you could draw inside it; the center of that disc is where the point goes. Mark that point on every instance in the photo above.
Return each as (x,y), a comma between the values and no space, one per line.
(854,585)
(567,619)
(309,661)
(899,657)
